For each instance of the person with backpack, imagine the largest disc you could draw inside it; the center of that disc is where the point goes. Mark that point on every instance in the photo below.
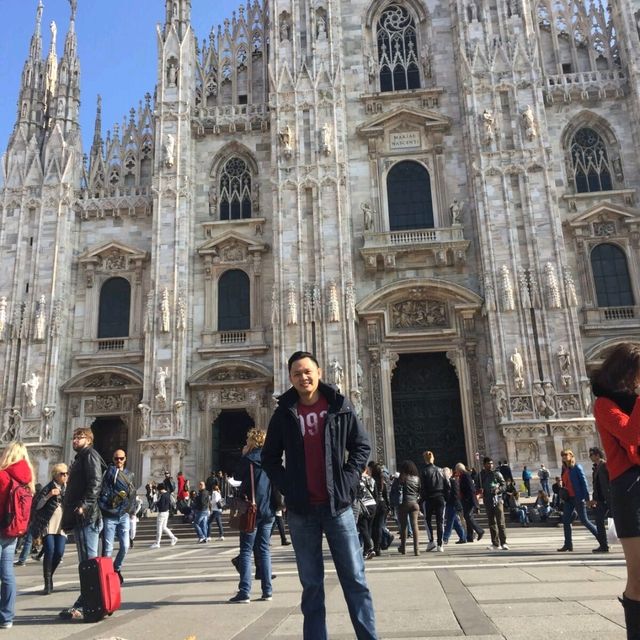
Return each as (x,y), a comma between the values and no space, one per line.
(47,523)
(526,479)
(16,496)
(118,505)
(433,488)
(543,476)
(469,500)
(80,510)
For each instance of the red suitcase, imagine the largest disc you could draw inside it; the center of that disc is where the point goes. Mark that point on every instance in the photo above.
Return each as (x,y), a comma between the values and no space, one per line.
(100,588)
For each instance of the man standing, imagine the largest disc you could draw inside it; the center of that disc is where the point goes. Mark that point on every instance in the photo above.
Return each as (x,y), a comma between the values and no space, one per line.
(326,449)
(80,512)
(543,476)
(170,487)
(469,502)
(526,479)
(118,505)
(601,499)
(505,470)
(200,506)
(493,486)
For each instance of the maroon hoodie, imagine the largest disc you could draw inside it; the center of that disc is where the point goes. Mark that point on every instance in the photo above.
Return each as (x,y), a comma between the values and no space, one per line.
(20,472)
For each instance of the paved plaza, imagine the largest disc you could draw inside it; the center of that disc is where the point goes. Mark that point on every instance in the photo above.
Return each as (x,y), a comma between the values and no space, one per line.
(528,592)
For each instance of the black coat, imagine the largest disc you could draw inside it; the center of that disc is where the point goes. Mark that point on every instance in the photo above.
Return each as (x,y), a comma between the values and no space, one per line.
(347,451)
(601,485)
(83,488)
(41,517)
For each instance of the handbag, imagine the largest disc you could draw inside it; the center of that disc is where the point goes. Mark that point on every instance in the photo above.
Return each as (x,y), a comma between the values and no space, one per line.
(244,512)
(612,534)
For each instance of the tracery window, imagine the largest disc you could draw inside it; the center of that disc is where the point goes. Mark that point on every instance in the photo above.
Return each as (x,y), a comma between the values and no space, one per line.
(235,190)
(114,308)
(397,50)
(611,276)
(591,169)
(234,306)
(409,197)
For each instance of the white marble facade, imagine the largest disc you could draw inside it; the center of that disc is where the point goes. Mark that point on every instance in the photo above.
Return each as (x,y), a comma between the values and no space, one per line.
(295,143)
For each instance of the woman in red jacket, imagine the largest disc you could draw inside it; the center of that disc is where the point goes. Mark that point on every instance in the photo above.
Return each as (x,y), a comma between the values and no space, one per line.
(14,465)
(616,385)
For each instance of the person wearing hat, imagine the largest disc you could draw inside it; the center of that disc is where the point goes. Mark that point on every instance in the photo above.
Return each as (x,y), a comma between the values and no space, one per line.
(601,500)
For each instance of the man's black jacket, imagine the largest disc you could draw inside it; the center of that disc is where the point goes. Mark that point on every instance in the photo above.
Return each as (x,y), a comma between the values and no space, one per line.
(83,488)
(346,447)
(601,484)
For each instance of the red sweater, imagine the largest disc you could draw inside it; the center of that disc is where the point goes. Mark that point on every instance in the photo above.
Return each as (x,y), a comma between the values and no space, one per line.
(620,435)
(19,471)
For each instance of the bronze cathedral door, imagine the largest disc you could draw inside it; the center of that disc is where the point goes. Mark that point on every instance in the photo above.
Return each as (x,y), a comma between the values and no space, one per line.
(427,413)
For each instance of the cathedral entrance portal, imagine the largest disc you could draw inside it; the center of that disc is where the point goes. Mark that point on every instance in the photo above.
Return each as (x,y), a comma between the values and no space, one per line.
(229,436)
(109,433)
(427,413)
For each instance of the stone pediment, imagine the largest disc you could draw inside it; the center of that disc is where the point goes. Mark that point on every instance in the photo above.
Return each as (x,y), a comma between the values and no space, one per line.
(606,211)
(231,247)
(403,118)
(113,256)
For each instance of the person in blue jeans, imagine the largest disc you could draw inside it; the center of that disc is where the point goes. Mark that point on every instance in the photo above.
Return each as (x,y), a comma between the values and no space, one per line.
(574,482)
(200,506)
(15,467)
(453,509)
(316,429)
(117,504)
(80,511)
(257,489)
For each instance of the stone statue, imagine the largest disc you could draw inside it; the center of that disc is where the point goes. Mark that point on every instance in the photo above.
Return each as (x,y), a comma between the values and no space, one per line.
(488,123)
(455,209)
(551,282)
(286,139)
(367,216)
(356,399)
(165,313)
(550,398)
(529,124)
(337,373)
(570,289)
(47,416)
(372,66)
(350,301)
(284,30)
(3,316)
(275,306)
(359,374)
(489,294)
(425,60)
(292,305)
(178,407)
(16,424)
(322,27)
(508,301)
(334,304)
(169,150)
(41,319)
(473,11)
(518,369)
(307,304)
(587,397)
(30,388)
(161,383)
(564,360)
(539,401)
(499,401)
(491,373)
(145,415)
(525,297)
(325,139)
(172,74)
(181,314)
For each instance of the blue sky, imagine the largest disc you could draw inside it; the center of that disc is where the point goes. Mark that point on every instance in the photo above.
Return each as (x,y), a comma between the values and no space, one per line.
(117,49)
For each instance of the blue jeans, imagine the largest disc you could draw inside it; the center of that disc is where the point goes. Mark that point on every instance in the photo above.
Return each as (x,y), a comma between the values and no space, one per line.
(260,537)
(580,507)
(7,579)
(452,521)
(544,484)
(116,526)
(216,516)
(54,546)
(306,534)
(87,539)
(201,524)
(27,544)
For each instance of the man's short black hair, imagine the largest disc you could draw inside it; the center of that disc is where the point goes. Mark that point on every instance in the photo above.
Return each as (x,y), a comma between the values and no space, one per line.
(300,355)
(596,451)
(486,460)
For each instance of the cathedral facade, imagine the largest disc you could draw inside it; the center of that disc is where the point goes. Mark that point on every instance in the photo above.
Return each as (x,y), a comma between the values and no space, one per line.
(439,199)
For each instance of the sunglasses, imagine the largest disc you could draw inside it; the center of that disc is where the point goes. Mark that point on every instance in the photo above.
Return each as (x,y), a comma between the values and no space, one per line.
(63,473)
(79,438)
(118,458)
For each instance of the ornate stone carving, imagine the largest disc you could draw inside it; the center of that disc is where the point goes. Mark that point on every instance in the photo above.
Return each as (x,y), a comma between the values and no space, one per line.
(517,366)
(275,305)
(587,396)
(540,401)
(56,319)
(359,374)
(105,380)
(499,401)
(12,425)
(529,124)
(47,417)
(292,304)
(169,150)
(161,384)
(336,372)
(376,388)
(525,298)
(233,396)
(145,419)
(40,329)
(570,289)
(30,389)
(165,312)
(568,403)
(419,314)
(520,404)
(231,374)
(508,301)
(551,286)
(350,301)
(286,140)
(564,362)
(149,316)
(233,252)
(488,127)
(356,399)
(181,313)
(527,451)
(178,409)
(3,316)
(490,371)
(114,261)
(367,216)
(455,211)
(604,228)
(489,294)
(326,146)
(333,305)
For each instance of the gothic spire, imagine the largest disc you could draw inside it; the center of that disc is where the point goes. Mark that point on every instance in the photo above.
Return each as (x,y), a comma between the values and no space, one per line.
(35,51)
(96,147)
(178,13)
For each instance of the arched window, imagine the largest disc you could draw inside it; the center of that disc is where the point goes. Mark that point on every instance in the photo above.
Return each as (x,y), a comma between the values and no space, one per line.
(397,50)
(409,197)
(114,309)
(611,276)
(591,170)
(234,306)
(235,190)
